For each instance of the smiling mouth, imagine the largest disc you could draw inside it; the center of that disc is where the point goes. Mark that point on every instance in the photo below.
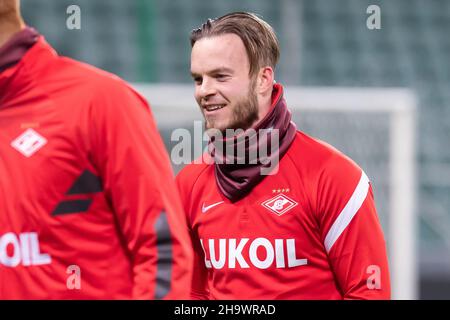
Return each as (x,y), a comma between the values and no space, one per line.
(213,107)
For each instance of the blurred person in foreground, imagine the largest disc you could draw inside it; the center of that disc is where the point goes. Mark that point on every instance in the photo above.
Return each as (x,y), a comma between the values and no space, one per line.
(87,202)
(305,229)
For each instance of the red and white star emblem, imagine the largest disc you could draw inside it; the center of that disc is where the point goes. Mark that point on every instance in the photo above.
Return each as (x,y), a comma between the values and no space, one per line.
(279,204)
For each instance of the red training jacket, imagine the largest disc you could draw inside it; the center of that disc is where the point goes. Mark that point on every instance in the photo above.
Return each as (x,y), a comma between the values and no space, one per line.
(310,231)
(87,202)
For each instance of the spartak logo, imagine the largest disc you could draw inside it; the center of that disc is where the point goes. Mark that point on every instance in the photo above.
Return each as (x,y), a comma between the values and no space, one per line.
(279,204)
(29,142)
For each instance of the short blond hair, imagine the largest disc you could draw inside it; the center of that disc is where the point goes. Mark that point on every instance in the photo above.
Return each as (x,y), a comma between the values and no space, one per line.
(259,38)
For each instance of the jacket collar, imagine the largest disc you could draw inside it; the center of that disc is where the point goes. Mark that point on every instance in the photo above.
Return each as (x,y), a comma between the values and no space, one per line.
(14,49)
(17,80)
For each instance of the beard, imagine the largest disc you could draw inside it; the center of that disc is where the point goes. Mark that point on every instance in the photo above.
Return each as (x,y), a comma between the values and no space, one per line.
(243,114)
(8,8)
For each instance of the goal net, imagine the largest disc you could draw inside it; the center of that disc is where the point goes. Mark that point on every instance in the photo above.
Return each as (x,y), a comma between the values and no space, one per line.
(375,127)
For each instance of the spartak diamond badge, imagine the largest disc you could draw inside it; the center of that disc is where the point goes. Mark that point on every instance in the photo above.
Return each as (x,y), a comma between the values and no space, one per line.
(279,204)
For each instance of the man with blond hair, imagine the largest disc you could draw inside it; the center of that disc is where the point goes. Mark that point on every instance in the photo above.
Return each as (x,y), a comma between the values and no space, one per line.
(305,229)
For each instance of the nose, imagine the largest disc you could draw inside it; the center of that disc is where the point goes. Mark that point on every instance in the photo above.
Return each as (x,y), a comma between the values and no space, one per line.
(206,88)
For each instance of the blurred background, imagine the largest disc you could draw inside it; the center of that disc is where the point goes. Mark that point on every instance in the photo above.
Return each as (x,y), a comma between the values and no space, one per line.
(324,43)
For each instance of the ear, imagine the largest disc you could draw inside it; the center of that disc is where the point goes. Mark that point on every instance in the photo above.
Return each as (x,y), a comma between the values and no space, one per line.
(265,80)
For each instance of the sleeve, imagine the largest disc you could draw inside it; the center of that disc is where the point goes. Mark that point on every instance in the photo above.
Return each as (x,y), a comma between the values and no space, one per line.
(199,285)
(351,232)
(135,170)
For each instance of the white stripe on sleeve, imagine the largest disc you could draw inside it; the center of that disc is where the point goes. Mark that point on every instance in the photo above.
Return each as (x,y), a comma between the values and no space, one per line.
(349,211)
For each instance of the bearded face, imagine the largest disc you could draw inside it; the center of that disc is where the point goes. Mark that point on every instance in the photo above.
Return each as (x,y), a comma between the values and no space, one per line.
(244,113)
(224,90)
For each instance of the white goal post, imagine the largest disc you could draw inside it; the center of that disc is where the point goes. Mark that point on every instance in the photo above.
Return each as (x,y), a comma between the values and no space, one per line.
(173,105)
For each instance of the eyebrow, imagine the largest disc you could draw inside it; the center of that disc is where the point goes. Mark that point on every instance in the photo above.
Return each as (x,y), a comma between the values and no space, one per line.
(214,71)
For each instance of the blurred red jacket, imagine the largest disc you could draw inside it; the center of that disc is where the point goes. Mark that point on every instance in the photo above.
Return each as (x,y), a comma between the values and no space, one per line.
(88,208)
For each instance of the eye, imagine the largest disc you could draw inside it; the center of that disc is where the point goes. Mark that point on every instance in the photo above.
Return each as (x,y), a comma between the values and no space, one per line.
(221,77)
(198,80)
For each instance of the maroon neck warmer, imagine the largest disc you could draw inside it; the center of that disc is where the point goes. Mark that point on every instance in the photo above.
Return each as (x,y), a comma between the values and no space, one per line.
(14,49)
(237,173)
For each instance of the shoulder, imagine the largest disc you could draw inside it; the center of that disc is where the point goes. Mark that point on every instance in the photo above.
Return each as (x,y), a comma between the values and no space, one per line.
(191,182)
(101,83)
(65,78)
(328,176)
(314,156)
(62,77)
(190,175)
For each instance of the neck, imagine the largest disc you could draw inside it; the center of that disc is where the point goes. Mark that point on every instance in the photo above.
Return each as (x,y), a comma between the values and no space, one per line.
(264,109)
(9,25)
(264,106)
